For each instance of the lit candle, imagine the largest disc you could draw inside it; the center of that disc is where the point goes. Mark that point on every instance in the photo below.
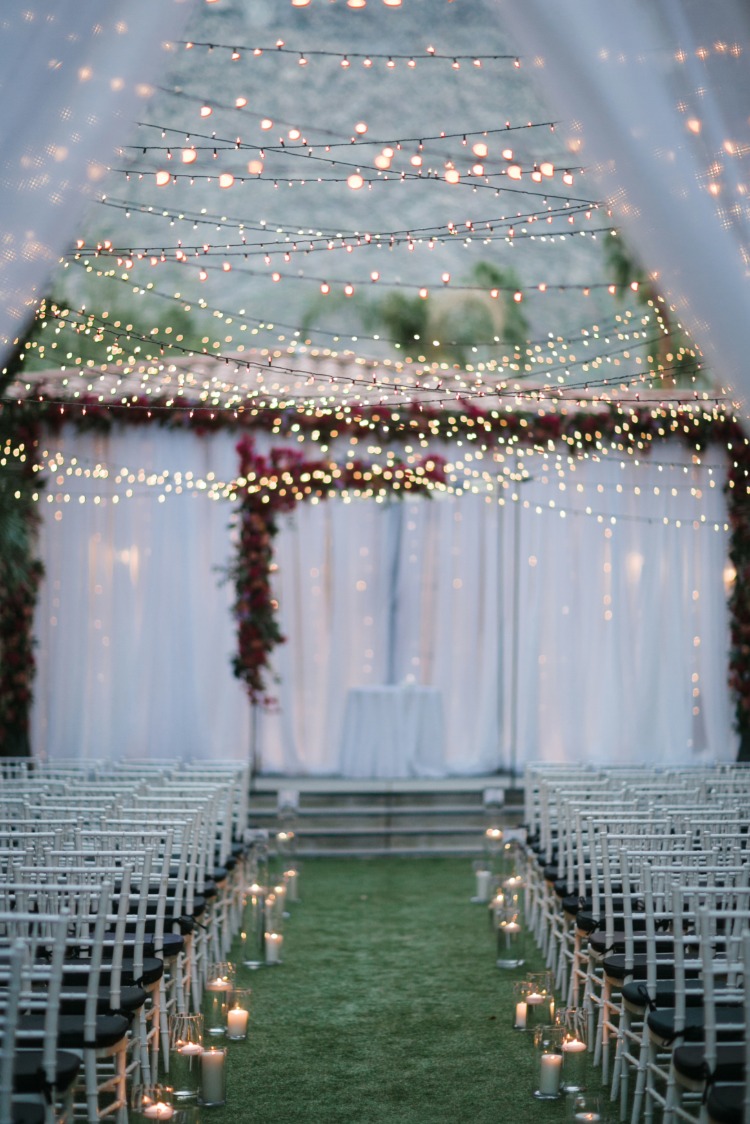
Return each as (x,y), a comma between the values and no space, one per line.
(237,1022)
(221,983)
(212,1077)
(592,1117)
(549,1076)
(574,1046)
(158,1111)
(274,942)
(190,1049)
(521,1012)
(534,999)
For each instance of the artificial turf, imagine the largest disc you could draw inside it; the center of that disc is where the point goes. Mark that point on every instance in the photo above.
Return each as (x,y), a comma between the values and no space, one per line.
(387,1009)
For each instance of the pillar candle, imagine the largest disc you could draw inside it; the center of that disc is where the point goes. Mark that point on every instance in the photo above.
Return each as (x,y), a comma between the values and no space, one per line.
(274,942)
(521,1012)
(237,1022)
(292,889)
(549,1076)
(212,1077)
(484,884)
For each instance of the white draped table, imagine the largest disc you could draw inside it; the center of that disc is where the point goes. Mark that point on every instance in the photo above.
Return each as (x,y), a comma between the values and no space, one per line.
(393,732)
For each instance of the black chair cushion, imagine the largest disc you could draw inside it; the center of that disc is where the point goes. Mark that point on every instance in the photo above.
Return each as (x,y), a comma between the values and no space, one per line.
(28,1071)
(220,874)
(690,1061)
(637,995)
(551,873)
(661,1023)
(170,945)
(131,999)
(27,1112)
(616,967)
(110,1029)
(230,862)
(209,891)
(153,970)
(725,1104)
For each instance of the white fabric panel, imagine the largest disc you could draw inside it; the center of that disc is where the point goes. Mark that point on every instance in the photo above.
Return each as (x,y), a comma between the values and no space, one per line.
(74,75)
(502,608)
(135,632)
(651,98)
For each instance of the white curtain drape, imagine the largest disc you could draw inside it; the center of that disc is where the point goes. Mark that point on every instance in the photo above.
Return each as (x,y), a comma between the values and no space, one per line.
(651,97)
(585,621)
(73,74)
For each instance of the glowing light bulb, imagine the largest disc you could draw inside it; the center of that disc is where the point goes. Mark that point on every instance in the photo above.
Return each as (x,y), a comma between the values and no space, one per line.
(255,167)
(507,154)
(266,123)
(355,181)
(226,179)
(536,175)
(445,278)
(374,276)
(388,152)
(189,156)
(392,3)
(294,134)
(518,297)
(568,178)
(206,111)
(423,294)
(300,3)
(360,128)
(547,168)
(514,172)
(416,161)
(325,288)
(382,162)
(452,176)
(348,289)
(478,169)
(240,103)
(480,149)
(356,3)
(162,179)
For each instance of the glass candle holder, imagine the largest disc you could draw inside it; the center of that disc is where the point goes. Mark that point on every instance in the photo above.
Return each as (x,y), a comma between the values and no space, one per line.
(540,998)
(253,926)
(511,937)
(575,1062)
(213,1077)
(218,993)
(286,842)
(584,1108)
(185,1049)
(152,1102)
(274,943)
(238,1014)
(548,1047)
(495,908)
(279,892)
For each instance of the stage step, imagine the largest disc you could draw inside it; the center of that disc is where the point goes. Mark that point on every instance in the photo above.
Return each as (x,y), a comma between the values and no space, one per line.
(338,816)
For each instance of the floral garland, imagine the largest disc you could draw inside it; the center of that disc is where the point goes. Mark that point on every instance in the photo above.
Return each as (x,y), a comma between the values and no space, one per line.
(739,599)
(274,484)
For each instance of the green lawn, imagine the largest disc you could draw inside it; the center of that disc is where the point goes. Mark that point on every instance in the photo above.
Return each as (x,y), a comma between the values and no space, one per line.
(388,1008)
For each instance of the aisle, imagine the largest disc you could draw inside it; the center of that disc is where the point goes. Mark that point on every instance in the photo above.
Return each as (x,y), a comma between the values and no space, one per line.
(387,1010)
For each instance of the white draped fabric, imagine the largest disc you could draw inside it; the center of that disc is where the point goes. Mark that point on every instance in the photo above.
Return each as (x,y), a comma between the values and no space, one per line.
(651,98)
(551,631)
(73,74)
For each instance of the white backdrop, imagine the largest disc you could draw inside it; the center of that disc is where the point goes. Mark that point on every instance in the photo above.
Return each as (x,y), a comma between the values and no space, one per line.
(551,633)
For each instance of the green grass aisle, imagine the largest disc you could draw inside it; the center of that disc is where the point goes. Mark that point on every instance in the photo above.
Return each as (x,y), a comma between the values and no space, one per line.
(388,1008)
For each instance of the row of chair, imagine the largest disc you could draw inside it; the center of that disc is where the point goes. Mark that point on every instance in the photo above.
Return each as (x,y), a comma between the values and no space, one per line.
(638,895)
(119,884)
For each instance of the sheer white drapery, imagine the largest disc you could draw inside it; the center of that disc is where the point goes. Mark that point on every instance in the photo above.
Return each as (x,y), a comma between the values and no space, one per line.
(550,632)
(72,76)
(651,98)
